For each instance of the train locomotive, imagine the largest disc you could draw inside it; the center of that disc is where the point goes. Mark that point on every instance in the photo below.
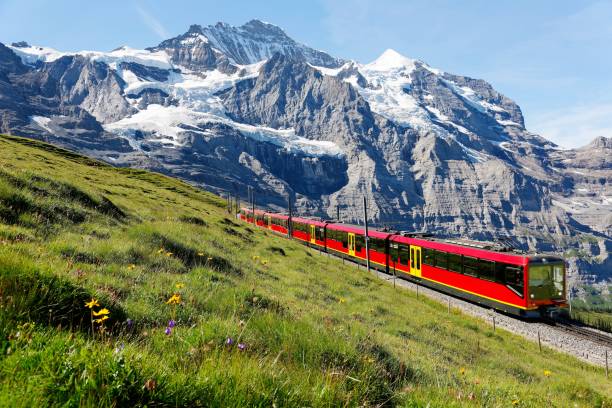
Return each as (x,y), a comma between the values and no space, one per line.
(530,286)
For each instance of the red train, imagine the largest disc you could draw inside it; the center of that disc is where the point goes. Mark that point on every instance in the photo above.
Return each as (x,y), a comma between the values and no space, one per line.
(523,285)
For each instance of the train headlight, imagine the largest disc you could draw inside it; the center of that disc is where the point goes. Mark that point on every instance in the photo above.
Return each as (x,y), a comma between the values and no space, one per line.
(531,296)
(560,293)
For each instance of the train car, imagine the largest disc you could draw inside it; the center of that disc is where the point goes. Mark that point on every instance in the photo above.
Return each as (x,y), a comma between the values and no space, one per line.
(529,286)
(277,222)
(348,240)
(246,214)
(312,232)
(523,285)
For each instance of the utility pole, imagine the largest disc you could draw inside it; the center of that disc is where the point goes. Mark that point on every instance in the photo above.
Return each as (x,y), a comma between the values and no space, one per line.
(253,198)
(289,221)
(338,212)
(367,238)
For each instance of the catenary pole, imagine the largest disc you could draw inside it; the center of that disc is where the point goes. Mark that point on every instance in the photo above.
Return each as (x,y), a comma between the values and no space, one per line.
(367,236)
(290,220)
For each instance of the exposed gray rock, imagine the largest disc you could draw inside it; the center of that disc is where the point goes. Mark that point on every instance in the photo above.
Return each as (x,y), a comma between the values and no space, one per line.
(256,41)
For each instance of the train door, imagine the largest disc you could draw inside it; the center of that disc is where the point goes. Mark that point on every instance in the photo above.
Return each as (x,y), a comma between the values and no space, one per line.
(269,222)
(312,234)
(415,261)
(351,244)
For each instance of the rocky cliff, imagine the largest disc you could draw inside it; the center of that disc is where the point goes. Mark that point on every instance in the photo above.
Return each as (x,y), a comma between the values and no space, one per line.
(229,107)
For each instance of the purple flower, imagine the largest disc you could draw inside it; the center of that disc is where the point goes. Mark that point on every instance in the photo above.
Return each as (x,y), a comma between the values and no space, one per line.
(168,331)
(229,341)
(241,346)
(130,323)
(171,323)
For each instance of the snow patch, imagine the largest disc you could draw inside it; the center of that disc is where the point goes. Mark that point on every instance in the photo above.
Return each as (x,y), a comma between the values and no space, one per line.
(42,122)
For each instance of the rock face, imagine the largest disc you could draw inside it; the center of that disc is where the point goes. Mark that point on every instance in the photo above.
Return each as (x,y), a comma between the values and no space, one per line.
(229,107)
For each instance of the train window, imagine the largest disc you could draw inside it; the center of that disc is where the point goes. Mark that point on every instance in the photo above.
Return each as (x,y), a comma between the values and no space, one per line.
(511,276)
(320,233)
(377,245)
(470,266)
(455,263)
(403,254)
(359,242)
(441,260)
(418,260)
(428,257)
(486,270)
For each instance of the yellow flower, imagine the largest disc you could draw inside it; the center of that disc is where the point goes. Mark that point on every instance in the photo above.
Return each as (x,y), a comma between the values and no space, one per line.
(515,402)
(92,303)
(255,257)
(169,254)
(547,373)
(180,285)
(200,253)
(462,370)
(161,250)
(174,299)
(341,300)
(131,266)
(101,312)
(209,258)
(101,320)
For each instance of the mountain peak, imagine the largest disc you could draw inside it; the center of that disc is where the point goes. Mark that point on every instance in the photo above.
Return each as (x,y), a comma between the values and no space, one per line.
(600,142)
(391,59)
(262,25)
(195,28)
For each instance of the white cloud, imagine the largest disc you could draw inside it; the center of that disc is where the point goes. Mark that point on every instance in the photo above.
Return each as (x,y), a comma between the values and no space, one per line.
(574,127)
(152,22)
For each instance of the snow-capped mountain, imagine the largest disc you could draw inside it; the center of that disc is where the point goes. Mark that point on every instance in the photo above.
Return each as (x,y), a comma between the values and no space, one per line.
(226,107)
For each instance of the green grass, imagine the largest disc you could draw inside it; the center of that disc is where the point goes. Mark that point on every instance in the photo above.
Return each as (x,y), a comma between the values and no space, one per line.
(317,332)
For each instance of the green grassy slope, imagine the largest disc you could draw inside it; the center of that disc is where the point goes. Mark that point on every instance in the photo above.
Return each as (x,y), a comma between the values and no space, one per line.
(315,332)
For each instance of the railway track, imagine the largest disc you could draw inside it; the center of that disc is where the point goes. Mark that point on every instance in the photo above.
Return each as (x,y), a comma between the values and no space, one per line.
(582,331)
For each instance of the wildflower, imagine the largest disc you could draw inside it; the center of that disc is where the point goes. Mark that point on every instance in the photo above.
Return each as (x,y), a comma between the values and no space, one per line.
(462,371)
(129,323)
(92,303)
(241,323)
(174,299)
(171,324)
(168,331)
(180,285)
(119,348)
(210,258)
(131,266)
(200,253)
(101,312)
(169,254)
(161,250)
(547,373)
(255,257)
(101,319)
(515,402)
(150,384)
(342,300)
(241,346)
(229,341)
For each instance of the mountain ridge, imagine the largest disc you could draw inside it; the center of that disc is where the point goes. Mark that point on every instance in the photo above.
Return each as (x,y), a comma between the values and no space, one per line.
(229,107)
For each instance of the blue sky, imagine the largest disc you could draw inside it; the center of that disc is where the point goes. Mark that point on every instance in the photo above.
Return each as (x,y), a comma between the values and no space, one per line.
(552,57)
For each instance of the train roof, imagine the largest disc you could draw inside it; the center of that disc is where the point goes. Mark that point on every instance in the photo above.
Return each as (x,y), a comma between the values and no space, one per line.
(278,216)
(309,221)
(372,233)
